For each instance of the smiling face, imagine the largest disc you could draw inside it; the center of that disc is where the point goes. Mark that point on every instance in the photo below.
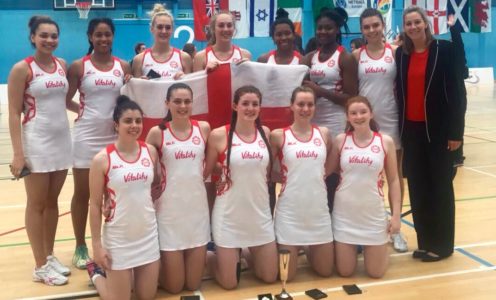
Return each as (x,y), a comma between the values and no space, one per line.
(162,28)
(46,38)
(130,124)
(372,29)
(180,103)
(248,107)
(327,31)
(359,115)
(102,38)
(303,106)
(283,36)
(415,26)
(224,28)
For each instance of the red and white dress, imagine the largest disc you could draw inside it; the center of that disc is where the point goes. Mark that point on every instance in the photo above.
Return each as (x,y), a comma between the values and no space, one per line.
(295,61)
(359,216)
(376,79)
(235,56)
(241,216)
(94,127)
(130,232)
(302,214)
(167,68)
(182,210)
(327,74)
(46,138)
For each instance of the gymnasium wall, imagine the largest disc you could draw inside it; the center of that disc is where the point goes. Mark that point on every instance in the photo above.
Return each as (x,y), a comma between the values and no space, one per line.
(73,42)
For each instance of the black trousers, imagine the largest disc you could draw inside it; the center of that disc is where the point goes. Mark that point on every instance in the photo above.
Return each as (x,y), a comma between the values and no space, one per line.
(429,169)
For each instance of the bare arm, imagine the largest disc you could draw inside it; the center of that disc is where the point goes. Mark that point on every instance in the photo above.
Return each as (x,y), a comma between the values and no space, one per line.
(394,193)
(245,54)
(332,161)
(187,62)
(263,58)
(16,84)
(128,72)
(204,129)
(75,70)
(216,144)
(138,65)
(276,141)
(199,61)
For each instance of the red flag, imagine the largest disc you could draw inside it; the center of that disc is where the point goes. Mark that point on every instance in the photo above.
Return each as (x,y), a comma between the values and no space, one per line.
(203,10)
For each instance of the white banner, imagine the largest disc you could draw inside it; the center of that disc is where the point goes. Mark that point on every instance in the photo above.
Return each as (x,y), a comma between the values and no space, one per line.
(353,7)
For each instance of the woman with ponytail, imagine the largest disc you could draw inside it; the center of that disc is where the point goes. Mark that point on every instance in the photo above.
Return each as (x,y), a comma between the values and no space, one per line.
(333,78)
(41,142)
(98,76)
(241,216)
(182,210)
(162,58)
(363,157)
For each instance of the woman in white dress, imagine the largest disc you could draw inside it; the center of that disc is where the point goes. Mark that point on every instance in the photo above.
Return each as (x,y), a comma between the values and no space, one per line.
(37,87)
(127,246)
(302,216)
(241,216)
(182,209)
(363,156)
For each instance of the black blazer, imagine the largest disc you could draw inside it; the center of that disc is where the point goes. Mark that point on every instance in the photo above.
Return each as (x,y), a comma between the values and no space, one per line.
(444,114)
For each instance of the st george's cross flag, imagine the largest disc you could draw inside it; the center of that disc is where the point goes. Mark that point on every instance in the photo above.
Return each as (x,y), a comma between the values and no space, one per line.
(437,13)
(480,16)
(419,3)
(212,97)
(460,10)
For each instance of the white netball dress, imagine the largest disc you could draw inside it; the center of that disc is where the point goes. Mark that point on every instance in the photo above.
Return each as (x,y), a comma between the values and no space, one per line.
(294,61)
(376,82)
(302,215)
(327,74)
(94,128)
(46,138)
(182,210)
(359,216)
(235,57)
(241,216)
(130,232)
(167,68)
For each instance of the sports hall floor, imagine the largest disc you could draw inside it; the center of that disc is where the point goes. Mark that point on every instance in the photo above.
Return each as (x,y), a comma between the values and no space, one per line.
(469,274)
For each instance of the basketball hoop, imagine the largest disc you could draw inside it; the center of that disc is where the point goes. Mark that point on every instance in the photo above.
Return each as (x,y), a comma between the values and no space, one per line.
(83,9)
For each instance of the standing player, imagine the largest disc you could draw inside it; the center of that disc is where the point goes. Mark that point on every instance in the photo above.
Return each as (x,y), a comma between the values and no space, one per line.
(359,216)
(241,216)
(376,76)
(99,77)
(182,210)
(127,248)
(161,58)
(333,78)
(37,88)
(302,215)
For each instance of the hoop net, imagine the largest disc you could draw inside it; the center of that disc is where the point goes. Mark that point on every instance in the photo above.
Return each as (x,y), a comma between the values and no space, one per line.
(83,9)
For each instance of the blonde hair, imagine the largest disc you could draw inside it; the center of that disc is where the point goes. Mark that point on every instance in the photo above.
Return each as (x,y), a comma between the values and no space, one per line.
(213,20)
(407,41)
(159,10)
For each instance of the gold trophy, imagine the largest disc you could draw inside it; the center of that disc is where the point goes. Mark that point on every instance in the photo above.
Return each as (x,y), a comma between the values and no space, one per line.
(283,272)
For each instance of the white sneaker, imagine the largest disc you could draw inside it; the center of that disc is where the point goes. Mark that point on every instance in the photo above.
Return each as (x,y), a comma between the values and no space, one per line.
(57,266)
(399,242)
(48,275)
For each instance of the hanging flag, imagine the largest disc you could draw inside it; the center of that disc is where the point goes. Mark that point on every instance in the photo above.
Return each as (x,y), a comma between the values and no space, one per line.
(459,9)
(239,10)
(203,10)
(262,14)
(419,3)
(437,13)
(293,7)
(480,15)
(317,6)
(385,7)
(353,7)
(212,98)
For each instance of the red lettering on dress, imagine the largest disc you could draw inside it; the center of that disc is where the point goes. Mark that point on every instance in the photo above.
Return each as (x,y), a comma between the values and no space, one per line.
(184,154)
(251,155)
(317,73)
(135,177)
(106,82)
(375,70)
(306,154)
(355,159)
(54,84)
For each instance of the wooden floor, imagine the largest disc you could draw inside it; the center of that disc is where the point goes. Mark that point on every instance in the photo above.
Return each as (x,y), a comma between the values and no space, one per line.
(469,274)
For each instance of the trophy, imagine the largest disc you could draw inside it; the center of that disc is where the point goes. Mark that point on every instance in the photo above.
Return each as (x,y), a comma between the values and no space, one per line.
(283,271)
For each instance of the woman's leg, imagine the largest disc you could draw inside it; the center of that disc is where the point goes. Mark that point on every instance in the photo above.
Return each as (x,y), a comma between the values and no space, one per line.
(321,258)
(51,212)
(145,280)
(376,260)
(224,265)
(172,271)
(116,285)
(79,215)
(293,259)
(346,258)
(265,262)
(194,261)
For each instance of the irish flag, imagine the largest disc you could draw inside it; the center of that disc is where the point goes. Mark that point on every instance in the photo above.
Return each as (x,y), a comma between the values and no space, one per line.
(293,7)
(213,91)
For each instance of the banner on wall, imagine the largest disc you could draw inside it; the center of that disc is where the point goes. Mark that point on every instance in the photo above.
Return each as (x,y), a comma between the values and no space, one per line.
(437,13)
(480,16)
(317,6)
(353,7)
(293,7)
(459,8)
(419,3)
(385,7)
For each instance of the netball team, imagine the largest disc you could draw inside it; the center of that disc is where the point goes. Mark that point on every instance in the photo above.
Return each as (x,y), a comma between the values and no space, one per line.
(355,119)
